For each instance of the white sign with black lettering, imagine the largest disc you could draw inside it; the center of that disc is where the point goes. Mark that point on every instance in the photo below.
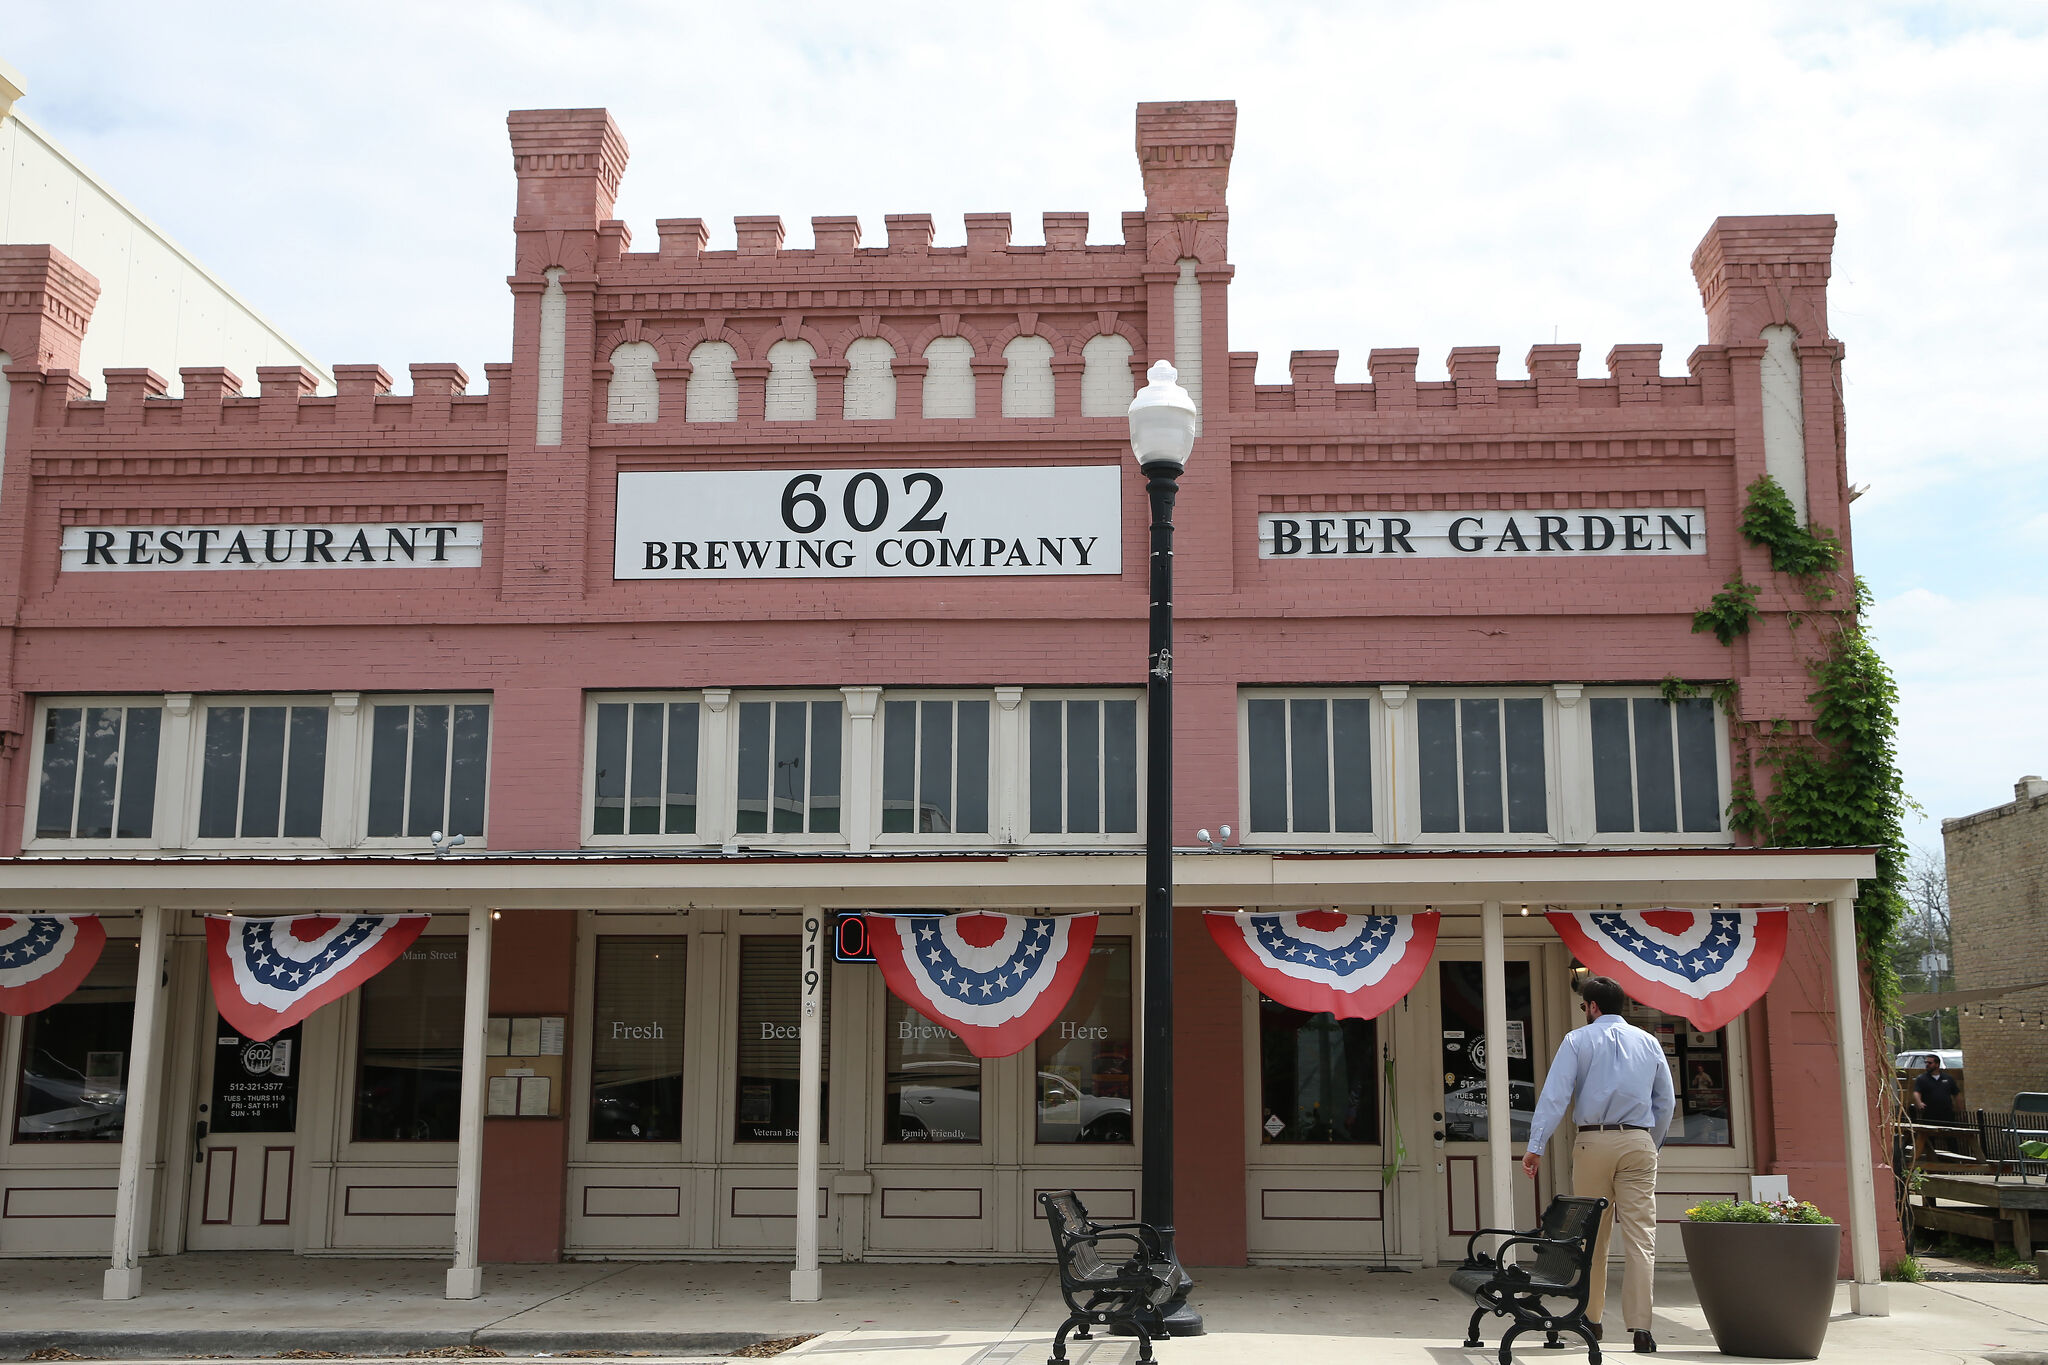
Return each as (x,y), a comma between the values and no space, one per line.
(1525,532)
(350,545)
(870,523)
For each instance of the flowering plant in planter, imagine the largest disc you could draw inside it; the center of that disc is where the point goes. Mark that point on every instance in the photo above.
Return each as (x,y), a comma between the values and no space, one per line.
(1787,1210)
(1765,1273)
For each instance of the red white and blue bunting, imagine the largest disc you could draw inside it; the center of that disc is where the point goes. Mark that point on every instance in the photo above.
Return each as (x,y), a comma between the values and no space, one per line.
(270,973)
(43,958)
(1706,966)
(1326,961)
(996,980)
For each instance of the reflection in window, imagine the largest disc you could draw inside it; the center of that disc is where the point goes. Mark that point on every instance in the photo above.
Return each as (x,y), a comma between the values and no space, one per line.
(1319,1076)
(771,991)
(1310,762)
(264,772)
(99,772)
(409,1046)
(1656,766)
(932,1089)
(1084,1058)
(74,1056)
(636,1041)
(1699,1076)
(1481,765)
(428,766)
(1462,1001)
(935,767)
(789,767)
(1084,767)
(646,778)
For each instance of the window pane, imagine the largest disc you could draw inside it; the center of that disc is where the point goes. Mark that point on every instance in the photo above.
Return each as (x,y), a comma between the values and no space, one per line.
(608,801)
(469,782)
(1698,767)
(427,800)
(1120,767)
(138,772)
(1084,767)
(1463,1007)
(646,767)
(973,780)
(1351,758)
(636,1043)
(899,767)
(764,1104)
(1084,1058)
(1656,781)
(1309,746)
(74,1055)
(788,802)
(388,727)
(305,786)
(1319,1076)
(932,1088)
(825,727)
(682,768)
(61,725)
(1528,806)
(1266,757)
(1436,756)
(755,765)
(1699,1076)
(409,1048)
(1614,809)
(263,777)
(1048,773)
(1479,731)
(99,772)
(221,771)
(935,768)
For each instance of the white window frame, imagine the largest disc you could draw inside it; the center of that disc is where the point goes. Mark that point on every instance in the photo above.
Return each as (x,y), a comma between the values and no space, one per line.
(728,779)
(161,808)
(1382,787)
(996,776)
(1025,836)
(366,739)
(1723,774)
(724,1106)
(1120,1157)
(350,1150)
(1411,769)
(195,772)
(708,809)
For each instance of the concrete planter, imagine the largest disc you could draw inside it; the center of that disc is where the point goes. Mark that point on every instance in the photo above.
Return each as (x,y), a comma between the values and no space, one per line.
(1767,1288)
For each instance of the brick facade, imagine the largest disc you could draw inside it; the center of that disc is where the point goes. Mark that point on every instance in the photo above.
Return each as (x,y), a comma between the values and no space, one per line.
(1998,933)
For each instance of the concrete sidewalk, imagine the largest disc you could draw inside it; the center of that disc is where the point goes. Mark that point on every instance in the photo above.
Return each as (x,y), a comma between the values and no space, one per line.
(244,1304)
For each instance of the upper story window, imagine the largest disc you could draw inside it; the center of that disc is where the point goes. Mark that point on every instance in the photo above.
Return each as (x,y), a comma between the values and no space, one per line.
(98,765)
(1656,765)
(1084,765)
(1309,764)
(935,766)
(645,780)
(1480,765)
(429,768)
(789,767)
(263,771)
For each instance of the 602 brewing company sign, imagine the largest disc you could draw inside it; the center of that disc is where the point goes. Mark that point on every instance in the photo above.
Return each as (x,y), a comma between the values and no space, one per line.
(870,523)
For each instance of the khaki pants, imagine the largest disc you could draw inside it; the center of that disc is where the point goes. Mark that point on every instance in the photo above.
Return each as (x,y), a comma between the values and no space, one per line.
(1621,1167)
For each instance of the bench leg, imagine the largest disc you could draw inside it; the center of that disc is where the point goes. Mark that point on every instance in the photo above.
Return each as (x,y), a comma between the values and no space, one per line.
(1507,1343)
(1144,1340)
(1472,1331)
(1059,1343)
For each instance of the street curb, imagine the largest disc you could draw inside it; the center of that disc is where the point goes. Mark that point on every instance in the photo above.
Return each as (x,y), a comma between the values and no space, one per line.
(2016,1357)
(156,1344)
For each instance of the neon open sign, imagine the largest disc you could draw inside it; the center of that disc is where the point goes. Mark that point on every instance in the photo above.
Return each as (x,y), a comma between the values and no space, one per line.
(850,937)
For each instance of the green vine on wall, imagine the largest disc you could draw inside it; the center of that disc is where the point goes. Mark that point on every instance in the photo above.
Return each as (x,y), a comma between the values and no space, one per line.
(1840,785)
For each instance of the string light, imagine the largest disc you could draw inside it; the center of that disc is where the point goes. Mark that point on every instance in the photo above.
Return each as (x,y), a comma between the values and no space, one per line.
(1525,909)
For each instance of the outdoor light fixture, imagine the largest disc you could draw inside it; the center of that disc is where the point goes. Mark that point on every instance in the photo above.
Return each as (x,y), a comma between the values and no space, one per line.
(442,843)
(1162,419)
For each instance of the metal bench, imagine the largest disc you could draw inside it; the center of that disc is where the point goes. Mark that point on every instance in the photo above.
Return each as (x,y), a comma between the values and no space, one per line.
(1129,1286)
(1999,1135)
(1556,1264)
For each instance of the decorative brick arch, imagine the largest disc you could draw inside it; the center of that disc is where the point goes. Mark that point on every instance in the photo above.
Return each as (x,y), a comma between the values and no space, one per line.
(714,329)
(953,325)
(868,326)
(635,330)
(1062,344)
(1109,324)
(792,327)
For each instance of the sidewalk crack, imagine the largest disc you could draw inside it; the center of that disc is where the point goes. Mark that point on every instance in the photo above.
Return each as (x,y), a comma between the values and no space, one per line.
(622,1268)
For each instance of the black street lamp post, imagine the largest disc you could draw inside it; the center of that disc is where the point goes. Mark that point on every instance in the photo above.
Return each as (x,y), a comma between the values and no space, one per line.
(1162,420)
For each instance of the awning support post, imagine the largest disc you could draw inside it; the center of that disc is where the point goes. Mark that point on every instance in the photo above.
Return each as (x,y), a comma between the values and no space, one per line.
(466,1276)
(1867,1294)
(123,1279)
(1500,1132)
(806,1281)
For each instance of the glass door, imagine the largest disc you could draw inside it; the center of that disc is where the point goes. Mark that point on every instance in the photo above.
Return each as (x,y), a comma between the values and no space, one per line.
(1463,1124)
(245,1158)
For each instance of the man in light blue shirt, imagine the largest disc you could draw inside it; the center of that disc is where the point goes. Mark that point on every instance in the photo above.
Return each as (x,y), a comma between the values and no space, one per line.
(1623,1085)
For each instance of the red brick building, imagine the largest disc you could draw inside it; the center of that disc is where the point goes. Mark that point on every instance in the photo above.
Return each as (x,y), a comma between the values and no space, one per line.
(767,583)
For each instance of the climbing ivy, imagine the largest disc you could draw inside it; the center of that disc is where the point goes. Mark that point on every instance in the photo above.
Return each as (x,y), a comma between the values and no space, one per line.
(1839,785)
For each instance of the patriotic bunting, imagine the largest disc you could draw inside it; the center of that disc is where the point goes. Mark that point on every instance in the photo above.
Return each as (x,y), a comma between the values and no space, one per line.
(270,973)
(996,980)
(1324,961)
(1706,966)
(44,957)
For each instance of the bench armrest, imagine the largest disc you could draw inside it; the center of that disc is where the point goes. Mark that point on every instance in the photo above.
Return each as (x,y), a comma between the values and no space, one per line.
(1472,1242)
(1145,1233)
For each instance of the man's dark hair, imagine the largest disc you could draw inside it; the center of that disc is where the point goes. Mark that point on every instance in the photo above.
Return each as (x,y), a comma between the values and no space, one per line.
(1603,991)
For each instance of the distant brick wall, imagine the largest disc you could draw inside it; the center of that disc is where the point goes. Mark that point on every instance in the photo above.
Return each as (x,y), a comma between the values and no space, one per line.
(1998,909)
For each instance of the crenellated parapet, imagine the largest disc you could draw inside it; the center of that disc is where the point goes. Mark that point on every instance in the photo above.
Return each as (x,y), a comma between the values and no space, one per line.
(1475,390)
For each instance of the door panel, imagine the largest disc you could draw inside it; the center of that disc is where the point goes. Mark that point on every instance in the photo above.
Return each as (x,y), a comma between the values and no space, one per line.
(1462,1121)
(247,1147)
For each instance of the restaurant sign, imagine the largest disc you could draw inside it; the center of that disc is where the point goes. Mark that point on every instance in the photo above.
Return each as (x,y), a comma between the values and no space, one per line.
(347,545)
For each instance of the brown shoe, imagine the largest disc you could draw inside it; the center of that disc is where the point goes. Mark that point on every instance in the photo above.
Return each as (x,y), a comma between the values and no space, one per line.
(1646,1344)
(1595,1328)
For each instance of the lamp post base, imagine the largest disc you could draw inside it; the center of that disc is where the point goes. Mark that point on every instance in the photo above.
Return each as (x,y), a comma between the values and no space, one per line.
(1180,1316)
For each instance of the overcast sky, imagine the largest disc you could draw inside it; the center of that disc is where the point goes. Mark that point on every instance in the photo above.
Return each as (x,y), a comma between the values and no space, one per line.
(1406,175)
